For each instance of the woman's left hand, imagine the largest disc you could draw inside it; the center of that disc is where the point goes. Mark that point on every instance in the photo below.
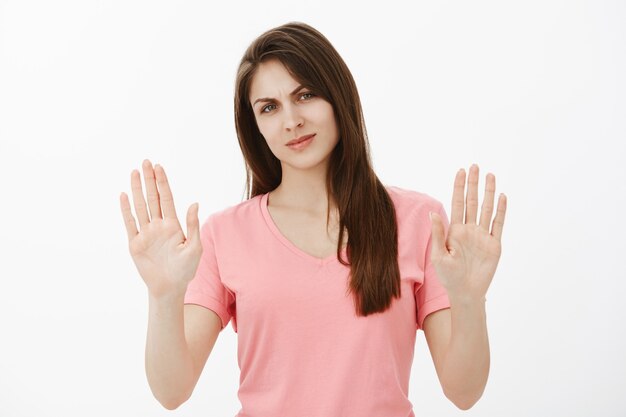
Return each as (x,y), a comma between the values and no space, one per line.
(466,260)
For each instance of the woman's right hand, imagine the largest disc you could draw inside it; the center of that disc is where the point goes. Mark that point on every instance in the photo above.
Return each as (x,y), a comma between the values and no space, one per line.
(165,259)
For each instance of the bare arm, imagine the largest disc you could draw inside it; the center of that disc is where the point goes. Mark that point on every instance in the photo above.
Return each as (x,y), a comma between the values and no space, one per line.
(180,338)
(465,258)
(179,341)
(459,345)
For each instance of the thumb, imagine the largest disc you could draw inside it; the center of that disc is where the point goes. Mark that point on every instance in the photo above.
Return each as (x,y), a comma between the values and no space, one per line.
(438,247)
(193,224)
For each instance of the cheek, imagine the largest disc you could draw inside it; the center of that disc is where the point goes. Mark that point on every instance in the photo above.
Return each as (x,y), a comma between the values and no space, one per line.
(329,120)
(262,125)
(326,114)
(267,129)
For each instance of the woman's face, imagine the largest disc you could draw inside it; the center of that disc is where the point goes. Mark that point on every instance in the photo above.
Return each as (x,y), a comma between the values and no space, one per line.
(284,110)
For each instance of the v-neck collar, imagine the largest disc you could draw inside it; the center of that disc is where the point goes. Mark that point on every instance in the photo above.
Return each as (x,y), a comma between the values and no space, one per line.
(278,234)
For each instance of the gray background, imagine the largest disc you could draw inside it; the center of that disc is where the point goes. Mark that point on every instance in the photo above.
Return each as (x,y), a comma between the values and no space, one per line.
(532,91)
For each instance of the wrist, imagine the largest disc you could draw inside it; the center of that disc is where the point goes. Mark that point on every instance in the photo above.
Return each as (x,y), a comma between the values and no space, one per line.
(173,295)
(466,300)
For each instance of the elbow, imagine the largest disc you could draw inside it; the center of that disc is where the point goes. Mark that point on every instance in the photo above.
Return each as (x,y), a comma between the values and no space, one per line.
(171,404)
(463,402)
(169,394)
(464,405)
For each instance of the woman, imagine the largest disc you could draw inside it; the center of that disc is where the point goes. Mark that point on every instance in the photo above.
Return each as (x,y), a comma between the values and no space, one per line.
(325,272)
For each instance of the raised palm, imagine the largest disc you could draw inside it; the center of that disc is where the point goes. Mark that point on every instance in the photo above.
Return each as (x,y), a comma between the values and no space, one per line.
(466,259)
(165,259)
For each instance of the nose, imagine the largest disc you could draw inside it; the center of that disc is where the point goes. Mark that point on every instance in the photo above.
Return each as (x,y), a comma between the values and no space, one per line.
(293,118)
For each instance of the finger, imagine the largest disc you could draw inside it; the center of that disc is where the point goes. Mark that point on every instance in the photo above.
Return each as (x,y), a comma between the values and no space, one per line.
(458,205)
(498,221)
(138,201)
(438,247)
(193,224)
(165,193)
(471,202)
(151,190)
(486,210)
(129,220)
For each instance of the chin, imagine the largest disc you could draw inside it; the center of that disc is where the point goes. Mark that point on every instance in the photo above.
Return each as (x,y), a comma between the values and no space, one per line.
(305,162)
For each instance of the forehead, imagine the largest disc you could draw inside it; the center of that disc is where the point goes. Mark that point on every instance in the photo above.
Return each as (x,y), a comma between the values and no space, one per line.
(271,79)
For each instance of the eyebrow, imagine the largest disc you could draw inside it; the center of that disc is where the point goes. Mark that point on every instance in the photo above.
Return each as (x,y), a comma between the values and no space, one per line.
(265,99)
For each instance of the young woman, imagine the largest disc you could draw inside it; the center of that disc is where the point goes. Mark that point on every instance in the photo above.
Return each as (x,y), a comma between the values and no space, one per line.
(325,272)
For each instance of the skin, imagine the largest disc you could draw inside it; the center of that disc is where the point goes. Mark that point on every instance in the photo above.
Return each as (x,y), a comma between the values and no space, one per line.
(284,118)
(180,337)
(465,261)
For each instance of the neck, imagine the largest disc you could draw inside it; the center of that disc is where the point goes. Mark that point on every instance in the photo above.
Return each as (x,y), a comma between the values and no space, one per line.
(302,189)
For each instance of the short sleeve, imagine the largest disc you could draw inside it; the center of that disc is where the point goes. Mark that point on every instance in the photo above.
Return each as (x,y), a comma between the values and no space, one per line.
(431,295)
(206,288)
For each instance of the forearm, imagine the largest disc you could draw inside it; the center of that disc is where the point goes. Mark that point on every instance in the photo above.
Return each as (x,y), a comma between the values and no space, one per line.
(169,366)
(466,367)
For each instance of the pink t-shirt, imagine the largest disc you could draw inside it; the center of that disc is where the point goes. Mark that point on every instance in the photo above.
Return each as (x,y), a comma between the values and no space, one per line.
(302,350)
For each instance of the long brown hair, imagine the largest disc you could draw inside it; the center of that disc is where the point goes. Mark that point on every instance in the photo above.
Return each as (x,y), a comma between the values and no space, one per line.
(365,208)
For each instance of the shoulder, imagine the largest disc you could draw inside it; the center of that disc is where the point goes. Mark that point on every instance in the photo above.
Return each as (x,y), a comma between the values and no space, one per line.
(241,214)
(411,203)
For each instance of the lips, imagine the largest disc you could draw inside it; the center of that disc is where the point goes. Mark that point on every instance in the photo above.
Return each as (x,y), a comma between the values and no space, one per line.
(300,139)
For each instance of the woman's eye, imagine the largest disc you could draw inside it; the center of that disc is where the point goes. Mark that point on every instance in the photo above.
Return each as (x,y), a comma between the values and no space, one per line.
(268,108)
(264,108)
